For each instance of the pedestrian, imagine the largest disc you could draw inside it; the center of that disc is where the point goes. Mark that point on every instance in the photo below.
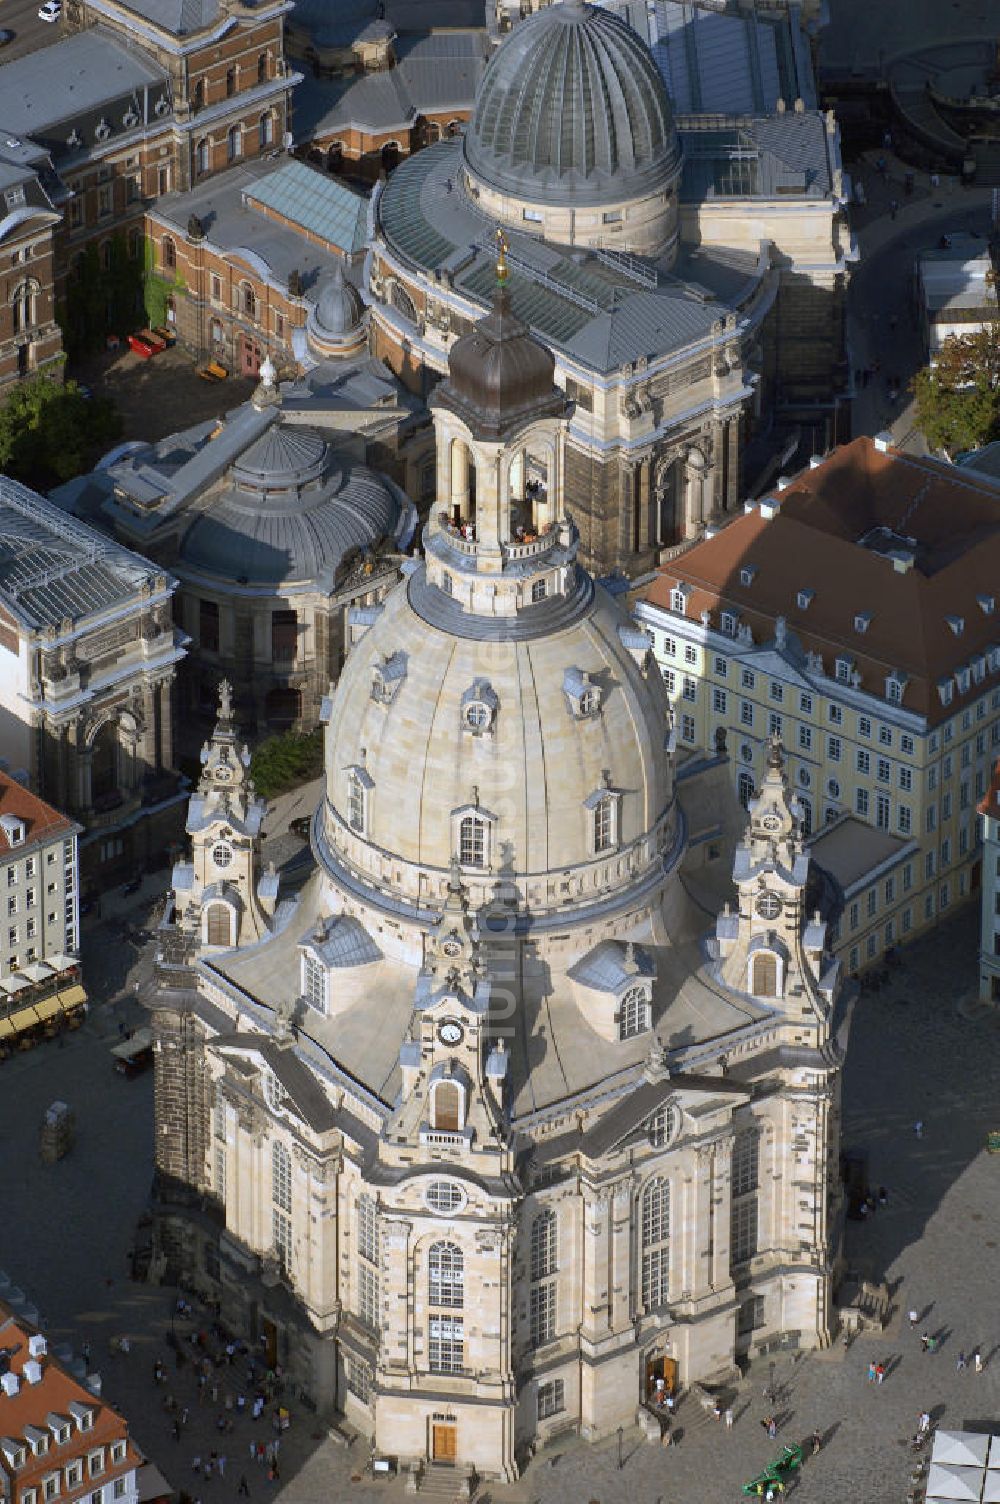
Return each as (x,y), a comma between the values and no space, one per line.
(184,1416)
(960,1363)
(914,1318)
(977,1359)
(244,1487)
(925,1342)
(177,1430)
(772,1427)
(923,1423)
(871,1371)
(241,1403)
(253,1451)
(85,1352)
(883,1196)
(729,1419)
(879,1373)
(817,1442)
(918,1128)
(209,1467)
(196,1464)
(893,207)
(222,1464)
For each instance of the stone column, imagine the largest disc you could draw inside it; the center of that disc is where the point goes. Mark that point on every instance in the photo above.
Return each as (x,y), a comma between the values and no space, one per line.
(721,1213)
(459,478)
(166,724)
(620,1241)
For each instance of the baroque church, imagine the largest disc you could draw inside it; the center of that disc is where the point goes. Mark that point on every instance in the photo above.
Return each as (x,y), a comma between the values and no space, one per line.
(478,1133)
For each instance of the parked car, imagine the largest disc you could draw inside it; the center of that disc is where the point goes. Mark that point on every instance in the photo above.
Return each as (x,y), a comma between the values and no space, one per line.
(133,885)
(301,826)
(6,35)
(146,344)
(50,11)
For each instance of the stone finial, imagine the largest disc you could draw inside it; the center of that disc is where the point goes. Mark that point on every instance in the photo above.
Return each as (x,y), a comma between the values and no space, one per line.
(225,701)
(630,965)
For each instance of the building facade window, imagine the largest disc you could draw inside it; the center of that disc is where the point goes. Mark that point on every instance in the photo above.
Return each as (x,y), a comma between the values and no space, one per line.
(654,1231)
(745,1180)
(472,841)
(446,1276)
(368,1256)
(544,1256)
(314,982)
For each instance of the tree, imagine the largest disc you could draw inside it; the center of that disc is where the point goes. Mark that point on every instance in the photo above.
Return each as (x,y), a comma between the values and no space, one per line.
(958,398)
(50,432)
(284,761)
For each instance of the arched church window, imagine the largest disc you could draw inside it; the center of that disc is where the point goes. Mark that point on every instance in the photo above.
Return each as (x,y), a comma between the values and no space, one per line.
(634,1014)
(543,1295)
(219,924)
(472,841)
(168,254)
(765,974)
(446,1276)
(446,1107)
(544,1245)
(655,1237)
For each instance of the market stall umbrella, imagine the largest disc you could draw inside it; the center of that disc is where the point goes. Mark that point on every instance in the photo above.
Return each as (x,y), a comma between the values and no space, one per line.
(994,1460)
(960,1448)
(945,1482)
(991,1488)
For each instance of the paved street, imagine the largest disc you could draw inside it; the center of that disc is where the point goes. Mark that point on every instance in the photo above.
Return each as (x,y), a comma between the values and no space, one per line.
(68,1228)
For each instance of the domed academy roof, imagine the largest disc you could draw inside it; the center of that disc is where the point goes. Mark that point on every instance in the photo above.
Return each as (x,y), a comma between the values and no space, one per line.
(499,374)
(339,308)
(532,769)
(282,520)
(572,109)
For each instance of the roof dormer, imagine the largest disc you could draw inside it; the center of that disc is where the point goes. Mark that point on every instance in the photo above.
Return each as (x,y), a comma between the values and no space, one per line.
(862,621)
(14,829)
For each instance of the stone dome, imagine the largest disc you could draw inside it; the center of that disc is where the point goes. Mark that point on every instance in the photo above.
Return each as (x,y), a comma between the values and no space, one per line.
(572,108)
(339,308)
(529,761)
(287,517)
(499,374)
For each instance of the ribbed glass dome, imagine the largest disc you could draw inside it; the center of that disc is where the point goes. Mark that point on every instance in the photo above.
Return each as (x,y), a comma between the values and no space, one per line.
(572,109)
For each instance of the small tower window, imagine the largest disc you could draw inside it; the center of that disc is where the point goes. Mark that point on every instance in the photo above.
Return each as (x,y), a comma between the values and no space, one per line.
(765,974)
(446,1276)
(218,924)
(539,590)
(446,1107)
(662,1126)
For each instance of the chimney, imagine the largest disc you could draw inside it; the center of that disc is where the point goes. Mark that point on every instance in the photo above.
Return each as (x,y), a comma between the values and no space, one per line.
(37,1345)
(883,442)
(32,1371)
(9,1383)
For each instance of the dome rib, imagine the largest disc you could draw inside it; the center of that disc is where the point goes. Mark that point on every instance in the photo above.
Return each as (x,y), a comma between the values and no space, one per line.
(573,109)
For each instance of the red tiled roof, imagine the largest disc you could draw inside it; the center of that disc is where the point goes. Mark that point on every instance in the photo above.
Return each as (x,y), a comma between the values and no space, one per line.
(40,819)
(53,1394)
(814,543)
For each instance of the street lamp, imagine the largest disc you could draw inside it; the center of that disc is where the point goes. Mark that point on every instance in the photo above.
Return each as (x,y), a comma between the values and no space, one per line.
(621,1459)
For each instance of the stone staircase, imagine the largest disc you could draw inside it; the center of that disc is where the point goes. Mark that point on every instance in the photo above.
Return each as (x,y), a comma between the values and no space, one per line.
(445,1485)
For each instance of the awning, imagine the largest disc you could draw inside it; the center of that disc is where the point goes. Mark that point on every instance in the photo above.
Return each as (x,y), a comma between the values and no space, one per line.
(960,1448)
(73,997)
(25,1018)
(36,971)
(960,1483)
(61,962)
(16,983)
(7,1030)
(48,1008)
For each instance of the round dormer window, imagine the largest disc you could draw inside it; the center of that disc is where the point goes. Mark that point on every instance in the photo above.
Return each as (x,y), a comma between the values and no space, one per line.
(222,854)
(444,1196)
(769,905)
(477,715)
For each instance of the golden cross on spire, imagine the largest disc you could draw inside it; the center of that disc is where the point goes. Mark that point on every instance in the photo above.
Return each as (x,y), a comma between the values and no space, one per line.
(502,249)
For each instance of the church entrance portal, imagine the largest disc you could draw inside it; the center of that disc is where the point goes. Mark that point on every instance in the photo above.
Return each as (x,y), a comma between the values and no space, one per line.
(659,1367)
(444,1441)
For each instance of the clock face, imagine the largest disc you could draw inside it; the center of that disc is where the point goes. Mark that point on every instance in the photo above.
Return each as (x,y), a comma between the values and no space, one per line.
(450,1032)
(771,822)
(451,948)
(223,774)
(769,905)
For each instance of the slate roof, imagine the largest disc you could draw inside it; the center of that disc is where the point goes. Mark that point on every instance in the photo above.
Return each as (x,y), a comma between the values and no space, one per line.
(433,74)
(72,78)
(755,157)
(591,307)
(176,16)
(308,1096)
(839,530)
(316,202)
(53,567)
(725,61)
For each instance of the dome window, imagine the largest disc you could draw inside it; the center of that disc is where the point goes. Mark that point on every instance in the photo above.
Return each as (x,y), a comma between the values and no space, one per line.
(472,842)
(633,1013)
(479,708)
(387,678)
(583,696)
(603,809)
(539,590)
(359,790)
(314,983)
